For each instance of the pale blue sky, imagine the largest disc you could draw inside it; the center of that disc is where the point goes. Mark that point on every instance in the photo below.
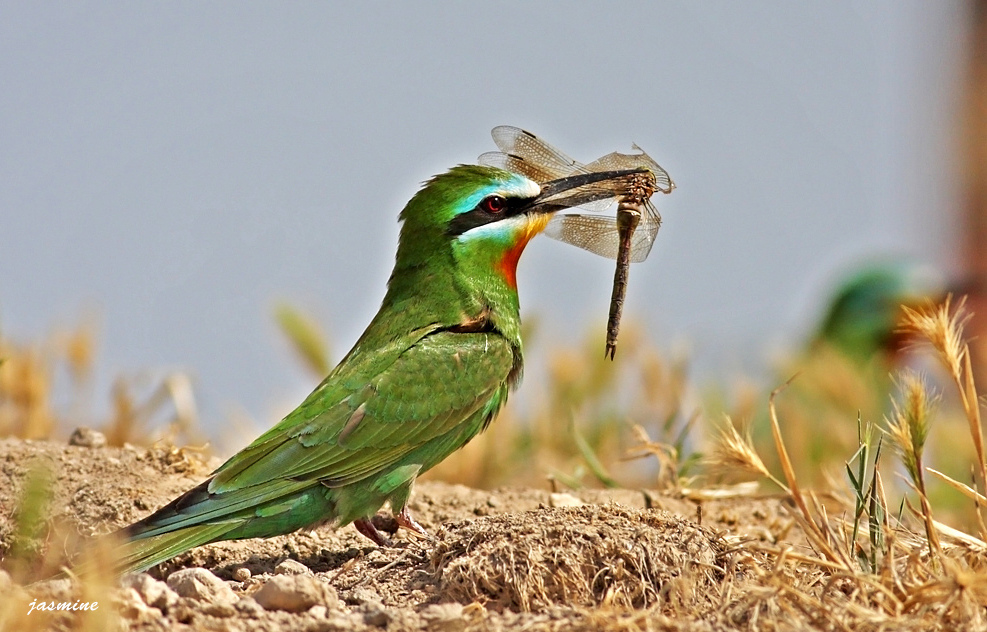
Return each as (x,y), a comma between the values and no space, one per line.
(180,166)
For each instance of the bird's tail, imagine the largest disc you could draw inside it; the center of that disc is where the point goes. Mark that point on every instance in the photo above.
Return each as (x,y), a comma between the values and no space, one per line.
(139,555)
(200,517)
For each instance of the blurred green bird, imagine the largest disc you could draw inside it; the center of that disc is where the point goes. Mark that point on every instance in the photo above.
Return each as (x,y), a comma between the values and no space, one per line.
(845,371)
(430,372)
(863,314)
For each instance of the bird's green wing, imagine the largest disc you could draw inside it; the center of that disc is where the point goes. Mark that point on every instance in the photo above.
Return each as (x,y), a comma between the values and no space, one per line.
(360,422)
(427,391)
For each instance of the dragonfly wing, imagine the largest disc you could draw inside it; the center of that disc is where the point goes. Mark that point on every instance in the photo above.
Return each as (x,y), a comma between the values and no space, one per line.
(599,235)
(644,237)
(523,152)
(516,164)
(518,142)
(641,242)
(595,233)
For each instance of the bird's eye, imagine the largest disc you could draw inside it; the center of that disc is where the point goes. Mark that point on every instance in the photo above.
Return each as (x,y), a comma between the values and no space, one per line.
(494,204)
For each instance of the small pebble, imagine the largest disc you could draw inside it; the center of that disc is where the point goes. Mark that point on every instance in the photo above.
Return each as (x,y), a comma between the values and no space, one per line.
(292,567)
(241,574)
(54,589)
(444,617)
(249,607)
(362,595)
(295,593)
(376,616)
(564,500)
(221,610)
(154,593)
(87,438)
(131,606)
(184,611)
(200,584)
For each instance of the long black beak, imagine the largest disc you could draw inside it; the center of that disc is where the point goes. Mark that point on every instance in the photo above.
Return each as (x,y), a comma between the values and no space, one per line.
(583,188)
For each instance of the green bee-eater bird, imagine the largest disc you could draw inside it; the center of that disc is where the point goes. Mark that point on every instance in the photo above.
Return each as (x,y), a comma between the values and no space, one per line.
(863,316)
(430,372)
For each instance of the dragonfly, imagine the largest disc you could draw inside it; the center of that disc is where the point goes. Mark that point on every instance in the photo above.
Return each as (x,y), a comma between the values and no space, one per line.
(626,237)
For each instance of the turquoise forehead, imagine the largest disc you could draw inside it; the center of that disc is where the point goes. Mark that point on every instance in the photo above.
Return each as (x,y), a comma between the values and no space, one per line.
(509,185)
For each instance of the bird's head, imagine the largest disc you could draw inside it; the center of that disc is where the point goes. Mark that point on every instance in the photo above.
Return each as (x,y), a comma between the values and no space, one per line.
(475,220)
(466,229)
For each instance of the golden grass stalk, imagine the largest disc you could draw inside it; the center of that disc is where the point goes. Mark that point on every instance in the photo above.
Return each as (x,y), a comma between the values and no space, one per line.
(786,462)
(944,331)
(962,488)
(734,450)
(908,428)
(667,455)
(817,531)
(908,425)
(26,376)
(131,420)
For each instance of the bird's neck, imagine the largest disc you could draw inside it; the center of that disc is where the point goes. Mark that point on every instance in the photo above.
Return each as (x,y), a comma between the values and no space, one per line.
(437,292)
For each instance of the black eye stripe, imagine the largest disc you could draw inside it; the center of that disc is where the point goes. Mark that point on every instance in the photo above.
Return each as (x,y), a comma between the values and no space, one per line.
(479,215)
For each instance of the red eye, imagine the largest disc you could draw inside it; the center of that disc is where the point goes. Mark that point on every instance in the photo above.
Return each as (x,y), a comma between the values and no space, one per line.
(494,204)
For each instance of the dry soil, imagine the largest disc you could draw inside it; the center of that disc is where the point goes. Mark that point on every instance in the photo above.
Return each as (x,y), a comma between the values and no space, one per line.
(502,559)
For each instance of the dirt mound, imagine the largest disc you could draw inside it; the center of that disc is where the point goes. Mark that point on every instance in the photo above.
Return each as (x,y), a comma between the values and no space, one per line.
(578,556)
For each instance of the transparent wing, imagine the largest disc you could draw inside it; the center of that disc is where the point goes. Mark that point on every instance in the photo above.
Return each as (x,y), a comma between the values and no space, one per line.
(517,142)
(595,233)
(523,152)
(646,232)
(599,235)
(517,164)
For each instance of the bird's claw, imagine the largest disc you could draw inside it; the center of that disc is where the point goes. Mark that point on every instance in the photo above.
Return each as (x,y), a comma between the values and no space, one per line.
(404,519)
(367,528)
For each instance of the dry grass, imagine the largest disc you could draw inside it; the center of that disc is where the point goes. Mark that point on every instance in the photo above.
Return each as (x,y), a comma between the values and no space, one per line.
(34,376)
(943,328)
(734,452)
(890,574)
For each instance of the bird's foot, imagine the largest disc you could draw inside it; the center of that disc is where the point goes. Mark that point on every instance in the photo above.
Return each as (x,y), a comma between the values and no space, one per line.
(404,519)
(367,528)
